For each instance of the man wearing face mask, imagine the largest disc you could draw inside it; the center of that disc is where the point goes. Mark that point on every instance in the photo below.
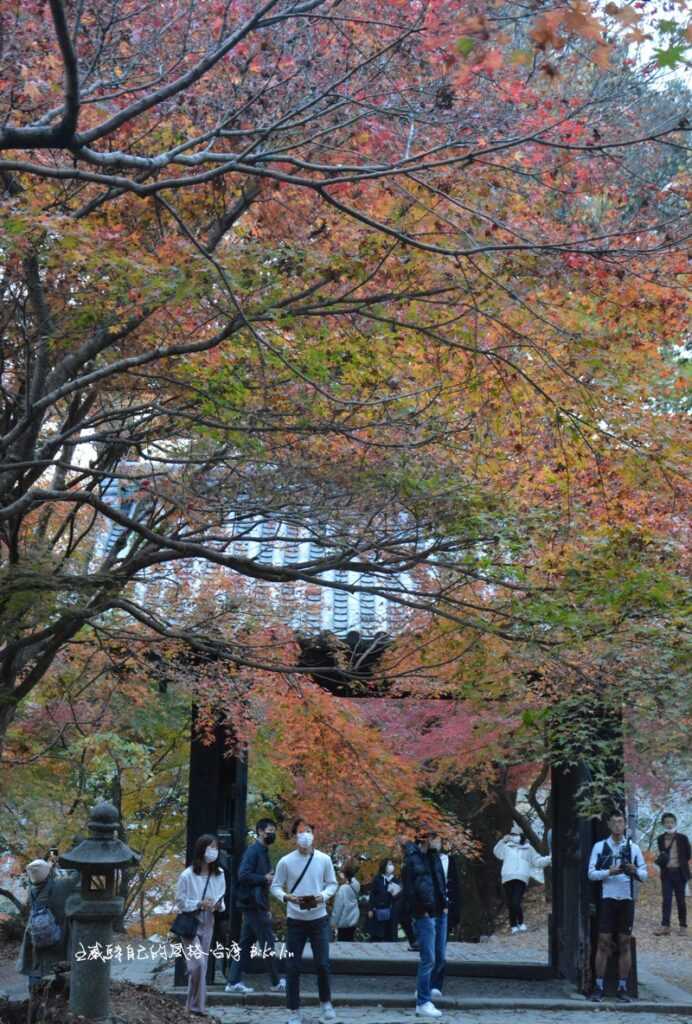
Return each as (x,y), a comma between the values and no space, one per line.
(425,893)
(303,882)
(252,897)
(673,860)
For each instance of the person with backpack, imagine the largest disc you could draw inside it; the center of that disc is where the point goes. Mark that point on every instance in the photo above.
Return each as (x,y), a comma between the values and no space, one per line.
(615,862)
(254,878)
(303,882)
(673,861)
(199,893)
(46,941)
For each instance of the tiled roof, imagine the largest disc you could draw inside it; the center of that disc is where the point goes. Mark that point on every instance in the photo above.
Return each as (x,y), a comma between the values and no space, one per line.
(306,607)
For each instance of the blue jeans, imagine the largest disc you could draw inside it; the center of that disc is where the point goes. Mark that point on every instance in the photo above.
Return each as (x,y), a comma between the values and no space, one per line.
(431,934)
(297,934)
(425,936)
(438,972)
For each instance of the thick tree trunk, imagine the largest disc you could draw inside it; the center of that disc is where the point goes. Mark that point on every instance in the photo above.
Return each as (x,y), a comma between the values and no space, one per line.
(479,882)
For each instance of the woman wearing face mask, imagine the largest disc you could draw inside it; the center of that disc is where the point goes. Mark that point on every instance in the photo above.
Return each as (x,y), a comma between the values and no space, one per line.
(346,912)
(384,891)
(520,862)
(201,887)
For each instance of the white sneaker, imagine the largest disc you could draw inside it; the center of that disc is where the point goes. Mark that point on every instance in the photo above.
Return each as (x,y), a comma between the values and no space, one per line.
(515,929)
(428,1010)
(280,986)
(435,993)
(327,1013)
(239,989)
(523,928)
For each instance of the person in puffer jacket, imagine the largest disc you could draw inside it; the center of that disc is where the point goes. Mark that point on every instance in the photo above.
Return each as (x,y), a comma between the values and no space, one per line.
(520,862)
(425,892)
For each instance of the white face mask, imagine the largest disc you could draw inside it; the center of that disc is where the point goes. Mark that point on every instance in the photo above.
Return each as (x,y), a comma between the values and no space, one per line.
(304,838)
(211,854)
(670,828)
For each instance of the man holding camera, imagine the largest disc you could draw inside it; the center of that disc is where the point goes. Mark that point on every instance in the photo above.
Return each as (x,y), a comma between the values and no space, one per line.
(304,881)
(615,862)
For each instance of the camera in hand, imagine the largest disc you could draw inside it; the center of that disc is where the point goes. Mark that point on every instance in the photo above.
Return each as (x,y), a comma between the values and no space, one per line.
(307,902)
(607,859)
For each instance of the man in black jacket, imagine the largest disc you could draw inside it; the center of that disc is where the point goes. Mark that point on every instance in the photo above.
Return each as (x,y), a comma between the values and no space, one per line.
(252,897)
(674,861)
(426,895)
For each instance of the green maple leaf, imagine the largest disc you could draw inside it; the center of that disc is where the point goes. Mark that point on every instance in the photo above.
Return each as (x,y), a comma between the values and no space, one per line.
(465,45)
(670,57)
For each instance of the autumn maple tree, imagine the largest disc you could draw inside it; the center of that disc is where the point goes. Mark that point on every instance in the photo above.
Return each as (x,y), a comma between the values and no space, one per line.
(403,280)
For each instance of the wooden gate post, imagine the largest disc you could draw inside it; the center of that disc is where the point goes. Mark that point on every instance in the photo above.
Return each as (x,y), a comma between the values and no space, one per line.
(217,801)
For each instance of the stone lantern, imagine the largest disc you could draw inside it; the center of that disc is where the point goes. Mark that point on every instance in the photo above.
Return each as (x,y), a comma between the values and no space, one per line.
(99,860)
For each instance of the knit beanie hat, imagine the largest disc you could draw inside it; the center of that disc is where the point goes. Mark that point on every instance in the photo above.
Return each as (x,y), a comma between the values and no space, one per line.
(38,871)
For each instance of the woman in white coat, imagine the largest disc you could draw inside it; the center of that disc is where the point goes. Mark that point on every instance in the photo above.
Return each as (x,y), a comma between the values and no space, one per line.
(346,912)
(201,888)
(520,862)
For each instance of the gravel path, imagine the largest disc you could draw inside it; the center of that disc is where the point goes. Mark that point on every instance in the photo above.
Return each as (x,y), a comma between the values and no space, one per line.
(262,1015)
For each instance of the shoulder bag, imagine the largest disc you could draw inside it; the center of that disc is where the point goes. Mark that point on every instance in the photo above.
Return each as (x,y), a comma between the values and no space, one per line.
(301,877)
(186,923)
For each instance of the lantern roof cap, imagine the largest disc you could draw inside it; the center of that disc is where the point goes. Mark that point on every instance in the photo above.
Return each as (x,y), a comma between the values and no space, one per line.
(103,849)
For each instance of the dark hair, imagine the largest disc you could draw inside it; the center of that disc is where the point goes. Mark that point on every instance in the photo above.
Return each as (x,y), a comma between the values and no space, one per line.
(350,870)
(264,823)
(669,814)
(198,854)
(616,813)
(300,821)
(383,864)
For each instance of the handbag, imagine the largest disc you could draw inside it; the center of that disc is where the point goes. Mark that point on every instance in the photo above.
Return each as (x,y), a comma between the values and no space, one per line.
(186,923)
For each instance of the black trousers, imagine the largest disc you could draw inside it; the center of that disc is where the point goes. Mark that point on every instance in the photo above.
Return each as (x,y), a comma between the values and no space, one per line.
(673,883)
(256,932)
(346,934)
(514,894)
(297,934)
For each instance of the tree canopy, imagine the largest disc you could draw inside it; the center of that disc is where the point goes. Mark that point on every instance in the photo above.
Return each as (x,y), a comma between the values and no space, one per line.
(405,278)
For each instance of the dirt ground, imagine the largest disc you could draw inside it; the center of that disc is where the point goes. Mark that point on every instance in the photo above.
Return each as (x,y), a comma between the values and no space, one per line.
(131,1004)
(669,956)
